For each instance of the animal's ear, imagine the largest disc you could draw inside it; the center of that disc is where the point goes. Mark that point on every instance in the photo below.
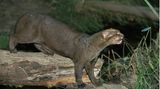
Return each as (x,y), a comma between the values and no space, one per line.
(105,34)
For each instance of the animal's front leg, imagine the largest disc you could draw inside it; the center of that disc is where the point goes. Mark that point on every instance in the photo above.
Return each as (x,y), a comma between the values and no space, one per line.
(78,75)
(89,67)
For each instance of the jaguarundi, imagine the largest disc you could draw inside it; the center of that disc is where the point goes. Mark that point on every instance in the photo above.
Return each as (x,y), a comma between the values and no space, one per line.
(52,36)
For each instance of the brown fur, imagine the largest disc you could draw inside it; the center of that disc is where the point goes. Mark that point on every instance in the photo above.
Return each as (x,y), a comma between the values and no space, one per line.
(51,36)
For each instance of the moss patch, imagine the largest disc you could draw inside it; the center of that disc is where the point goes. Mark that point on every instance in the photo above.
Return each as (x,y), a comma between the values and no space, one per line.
(4,38)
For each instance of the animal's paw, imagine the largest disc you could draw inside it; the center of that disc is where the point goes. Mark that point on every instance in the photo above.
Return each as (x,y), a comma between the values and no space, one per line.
(13,51)
(98,82)
(81,86)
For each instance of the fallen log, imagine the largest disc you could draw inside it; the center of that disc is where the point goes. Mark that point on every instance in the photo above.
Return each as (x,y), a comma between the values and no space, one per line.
(140,11)
(37,69)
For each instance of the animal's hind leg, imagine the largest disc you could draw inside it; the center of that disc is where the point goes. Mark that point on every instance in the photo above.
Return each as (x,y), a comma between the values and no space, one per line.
(44,49)
(12,44)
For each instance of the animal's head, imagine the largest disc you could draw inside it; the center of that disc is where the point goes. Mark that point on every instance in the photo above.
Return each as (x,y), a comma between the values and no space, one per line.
(112,36)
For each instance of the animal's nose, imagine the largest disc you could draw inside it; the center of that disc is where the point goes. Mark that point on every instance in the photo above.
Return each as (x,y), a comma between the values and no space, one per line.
(121,35)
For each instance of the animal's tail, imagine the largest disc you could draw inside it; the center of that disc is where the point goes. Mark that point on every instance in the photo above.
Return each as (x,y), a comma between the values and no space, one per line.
(12,31)
(11,35)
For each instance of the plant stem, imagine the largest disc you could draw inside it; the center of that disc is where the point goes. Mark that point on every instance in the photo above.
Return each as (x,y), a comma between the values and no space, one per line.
(151,7)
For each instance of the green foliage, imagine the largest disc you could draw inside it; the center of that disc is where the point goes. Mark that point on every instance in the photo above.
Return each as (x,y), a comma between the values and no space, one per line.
(115,68)
(65,11)
(3,41)
(147,61)
(75,15)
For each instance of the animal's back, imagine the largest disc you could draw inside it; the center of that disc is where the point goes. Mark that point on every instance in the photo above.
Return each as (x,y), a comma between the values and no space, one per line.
(36,28)
(60,37)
